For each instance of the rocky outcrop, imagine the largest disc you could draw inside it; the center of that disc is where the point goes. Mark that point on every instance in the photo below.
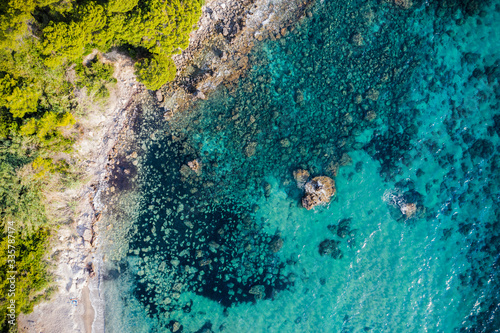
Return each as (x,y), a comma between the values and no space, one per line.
(318,191)
(408,209)
(218,50)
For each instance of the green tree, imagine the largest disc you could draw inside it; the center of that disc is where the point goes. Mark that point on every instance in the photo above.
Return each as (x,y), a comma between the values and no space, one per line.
(39,42)
(20,201)
(95,76)
(63,41)
(121,6)
(31,272)
(156,71)
(18,96)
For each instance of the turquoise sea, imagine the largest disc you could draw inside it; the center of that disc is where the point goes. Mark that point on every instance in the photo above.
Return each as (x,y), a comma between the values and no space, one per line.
(399,103)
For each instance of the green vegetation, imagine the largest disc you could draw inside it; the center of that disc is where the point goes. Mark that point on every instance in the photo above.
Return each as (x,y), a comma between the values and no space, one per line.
(154,72)
(42,45)
(95,77)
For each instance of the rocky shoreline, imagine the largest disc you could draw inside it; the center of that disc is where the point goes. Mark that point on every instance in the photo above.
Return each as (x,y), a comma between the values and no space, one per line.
(219,48)
(217,54)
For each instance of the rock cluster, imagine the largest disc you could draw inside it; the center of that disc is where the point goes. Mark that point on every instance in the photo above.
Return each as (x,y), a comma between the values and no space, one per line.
(318,191)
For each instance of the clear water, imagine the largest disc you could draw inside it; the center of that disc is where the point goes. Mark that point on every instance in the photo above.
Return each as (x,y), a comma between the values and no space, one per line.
(410,113)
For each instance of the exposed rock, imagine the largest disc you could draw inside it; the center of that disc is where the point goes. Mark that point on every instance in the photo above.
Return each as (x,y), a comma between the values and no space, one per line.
(318,191)
(200,95)
(159,96)
(132,156)
(408,209)
(90,269)
(301,177)
(406,201)
(87,235)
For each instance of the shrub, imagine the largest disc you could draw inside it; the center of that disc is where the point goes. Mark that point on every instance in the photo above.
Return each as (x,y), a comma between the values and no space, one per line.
(156,71)
(18,96)
(95,76)
(121,6)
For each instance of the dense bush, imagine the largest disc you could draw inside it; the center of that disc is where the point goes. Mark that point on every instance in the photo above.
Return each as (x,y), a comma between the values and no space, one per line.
(154,72)
(31,274)
(95,76)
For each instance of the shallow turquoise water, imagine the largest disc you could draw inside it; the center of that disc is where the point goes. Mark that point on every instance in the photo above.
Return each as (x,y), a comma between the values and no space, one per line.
(408,113)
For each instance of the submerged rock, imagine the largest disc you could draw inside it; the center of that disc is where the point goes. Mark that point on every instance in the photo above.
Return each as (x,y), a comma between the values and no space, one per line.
(195,165)
(259,291)
(357,39)
(301,177)
(185,171)
(318,191)
(250,149)
(404,3)
(276,244)
(330,247)
(370,115)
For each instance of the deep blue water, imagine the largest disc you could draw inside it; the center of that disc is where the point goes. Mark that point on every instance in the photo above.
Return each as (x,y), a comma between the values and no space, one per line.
(398,105)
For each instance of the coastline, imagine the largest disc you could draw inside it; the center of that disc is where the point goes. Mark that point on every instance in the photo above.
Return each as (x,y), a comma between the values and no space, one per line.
(77,242)
(217,54)
(218,50)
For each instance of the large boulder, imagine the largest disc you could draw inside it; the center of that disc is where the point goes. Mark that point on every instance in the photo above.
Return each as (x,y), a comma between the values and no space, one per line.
(318,191)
